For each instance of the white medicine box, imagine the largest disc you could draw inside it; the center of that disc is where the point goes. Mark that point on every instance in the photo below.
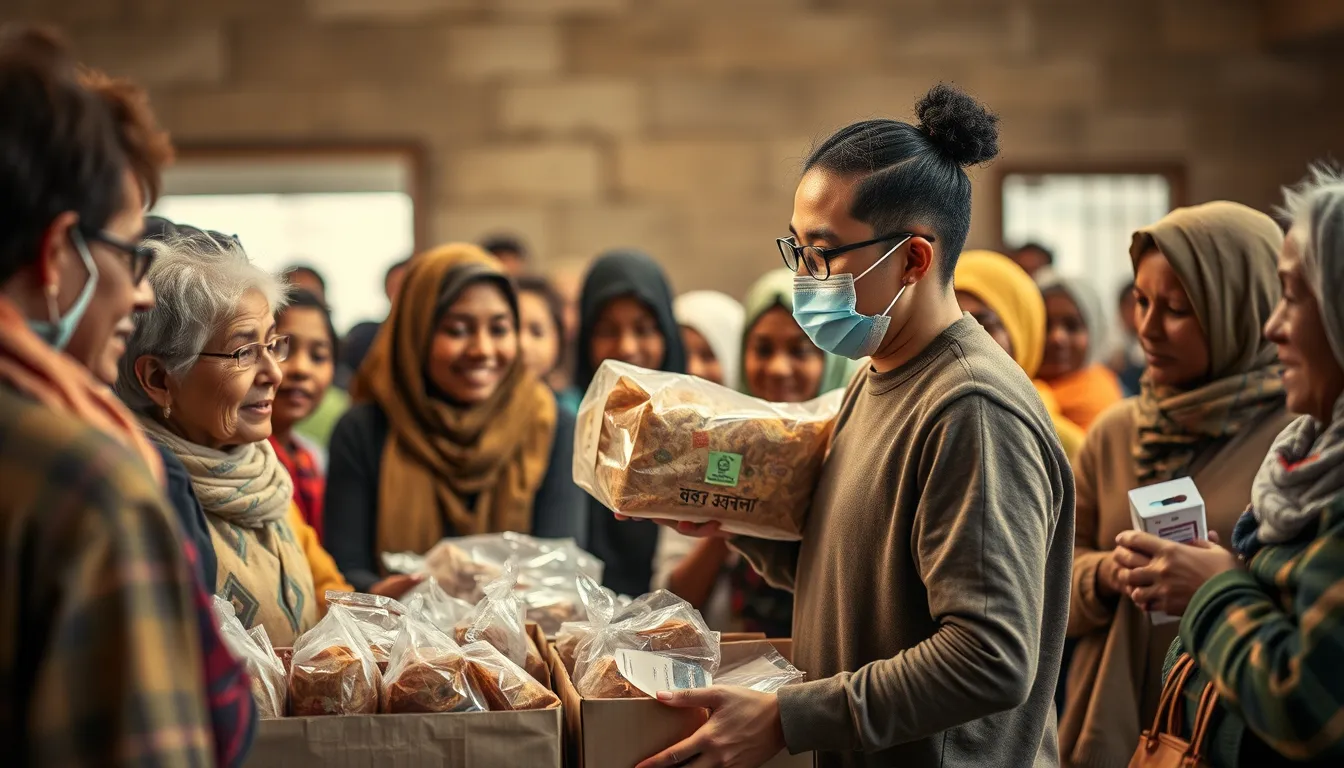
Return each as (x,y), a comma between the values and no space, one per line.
(1174,511)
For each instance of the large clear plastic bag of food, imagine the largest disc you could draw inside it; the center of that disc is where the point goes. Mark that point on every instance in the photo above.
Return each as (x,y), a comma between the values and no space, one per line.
(441,608)
(378,617)
(670,627)
(333,671)
(428,673)
(498,620)
(766,673)
(253,650)
(505,686)
(665,445)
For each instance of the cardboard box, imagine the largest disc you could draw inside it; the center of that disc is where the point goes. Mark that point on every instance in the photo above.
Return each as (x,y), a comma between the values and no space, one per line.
(1174,511)
(467,739)
(618,733)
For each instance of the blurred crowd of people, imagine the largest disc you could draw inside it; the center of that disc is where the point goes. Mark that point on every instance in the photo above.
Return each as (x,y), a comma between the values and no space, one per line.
(176,422)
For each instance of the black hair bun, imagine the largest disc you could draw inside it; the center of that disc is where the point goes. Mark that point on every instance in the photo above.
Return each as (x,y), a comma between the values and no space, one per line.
(960,126)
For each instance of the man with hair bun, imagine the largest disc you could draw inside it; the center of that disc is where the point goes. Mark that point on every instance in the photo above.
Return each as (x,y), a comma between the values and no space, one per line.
(931,587)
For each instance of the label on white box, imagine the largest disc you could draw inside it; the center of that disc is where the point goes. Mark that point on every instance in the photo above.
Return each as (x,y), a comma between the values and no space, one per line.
(652,673)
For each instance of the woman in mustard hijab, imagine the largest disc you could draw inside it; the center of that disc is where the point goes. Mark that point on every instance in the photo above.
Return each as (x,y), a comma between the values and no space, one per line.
(450,434)
(1004,299)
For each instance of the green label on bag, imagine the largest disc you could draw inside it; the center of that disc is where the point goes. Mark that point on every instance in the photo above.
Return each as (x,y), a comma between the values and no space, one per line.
(723,468)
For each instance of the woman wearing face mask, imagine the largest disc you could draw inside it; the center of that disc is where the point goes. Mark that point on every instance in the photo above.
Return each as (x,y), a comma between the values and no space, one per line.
(780,364)
(711,331)
(202,370)
(451,435)
(1005,301)
(1266,630)
(308,372)
(1074,340)
(625,313)
(1211,405)
(931,583)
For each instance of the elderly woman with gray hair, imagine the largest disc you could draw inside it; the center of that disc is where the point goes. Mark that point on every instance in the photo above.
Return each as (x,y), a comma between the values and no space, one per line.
(201,371)
(1263,628)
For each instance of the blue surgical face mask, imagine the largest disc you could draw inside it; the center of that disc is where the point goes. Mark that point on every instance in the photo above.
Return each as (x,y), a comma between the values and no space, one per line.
(827,310)
(58,330)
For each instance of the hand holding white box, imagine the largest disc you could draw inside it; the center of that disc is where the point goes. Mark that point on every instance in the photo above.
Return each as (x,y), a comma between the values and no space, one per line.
(1174,511)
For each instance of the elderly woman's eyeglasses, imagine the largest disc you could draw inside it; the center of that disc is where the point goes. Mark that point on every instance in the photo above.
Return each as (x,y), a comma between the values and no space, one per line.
(248,355)
(818,260)
(138,257)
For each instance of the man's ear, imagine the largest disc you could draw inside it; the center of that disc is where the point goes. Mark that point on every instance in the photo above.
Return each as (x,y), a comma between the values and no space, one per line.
(920,260)
(153,378)
(55,252)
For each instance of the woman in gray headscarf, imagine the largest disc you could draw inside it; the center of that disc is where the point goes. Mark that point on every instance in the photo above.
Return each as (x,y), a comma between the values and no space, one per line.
(1266,628)
(1075,328)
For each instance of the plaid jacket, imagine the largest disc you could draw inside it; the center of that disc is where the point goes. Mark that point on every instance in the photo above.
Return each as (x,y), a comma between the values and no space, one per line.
(1271,638)
(100,660)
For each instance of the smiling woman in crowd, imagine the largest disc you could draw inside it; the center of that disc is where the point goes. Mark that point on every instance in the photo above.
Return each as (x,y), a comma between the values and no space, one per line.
(1075,329)
(202,370)
(625,313)
(1211,405)
(308,373)
(451,435)
(1266,630)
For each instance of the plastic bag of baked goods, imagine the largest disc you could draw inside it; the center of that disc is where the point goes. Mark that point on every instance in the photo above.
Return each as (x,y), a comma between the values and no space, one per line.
(265,672)
(333,671)
(378,617)
(464,565)
(660,623)
(766,673)
(428,673)
(498,620)
(665,445)
(504,685)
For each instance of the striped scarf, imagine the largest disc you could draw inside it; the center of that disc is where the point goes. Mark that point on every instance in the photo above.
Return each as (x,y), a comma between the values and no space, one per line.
(1174,427)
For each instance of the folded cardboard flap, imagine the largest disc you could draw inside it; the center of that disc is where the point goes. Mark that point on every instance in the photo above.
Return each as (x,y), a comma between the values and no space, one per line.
(605,733)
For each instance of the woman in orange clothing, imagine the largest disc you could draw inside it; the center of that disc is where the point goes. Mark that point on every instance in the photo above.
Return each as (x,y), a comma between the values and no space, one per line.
(1002,297)
(1075,328)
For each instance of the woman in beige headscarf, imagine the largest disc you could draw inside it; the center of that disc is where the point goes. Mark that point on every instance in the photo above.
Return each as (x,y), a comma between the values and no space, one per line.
(1211,404)
(451,435)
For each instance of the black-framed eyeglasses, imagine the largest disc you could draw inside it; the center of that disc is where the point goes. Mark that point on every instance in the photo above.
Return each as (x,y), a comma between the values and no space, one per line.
(247,356)
(818,260)
(139,257)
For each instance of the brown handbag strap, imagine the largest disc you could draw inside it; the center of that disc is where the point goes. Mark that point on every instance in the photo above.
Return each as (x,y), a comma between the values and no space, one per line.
(1169,707)
(1176,706)
(1208,700)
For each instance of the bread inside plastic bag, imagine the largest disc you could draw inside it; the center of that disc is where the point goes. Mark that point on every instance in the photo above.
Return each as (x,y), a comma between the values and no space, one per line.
(498,620)
(599,605)
(253,650)
(659,622)
(504,685)
(441,608)
(673,446)
(378,617)
(333,671)
(428,673)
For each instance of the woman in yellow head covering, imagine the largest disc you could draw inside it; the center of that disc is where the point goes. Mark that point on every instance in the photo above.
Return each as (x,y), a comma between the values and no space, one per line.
(450,435)
(1005,300)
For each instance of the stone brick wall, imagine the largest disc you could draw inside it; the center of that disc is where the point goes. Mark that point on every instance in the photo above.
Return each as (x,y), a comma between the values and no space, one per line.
(678,125)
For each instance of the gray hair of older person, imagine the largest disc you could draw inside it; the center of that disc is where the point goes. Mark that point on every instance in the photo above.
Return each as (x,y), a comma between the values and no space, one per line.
(198,281)
(1316,209)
